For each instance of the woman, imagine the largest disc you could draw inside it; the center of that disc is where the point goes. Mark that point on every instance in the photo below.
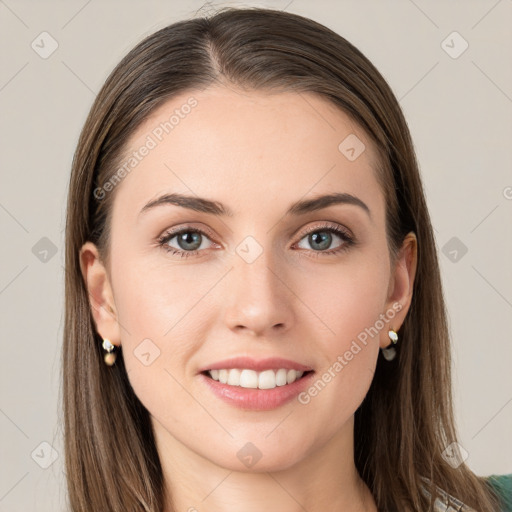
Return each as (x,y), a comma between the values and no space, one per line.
(215,357)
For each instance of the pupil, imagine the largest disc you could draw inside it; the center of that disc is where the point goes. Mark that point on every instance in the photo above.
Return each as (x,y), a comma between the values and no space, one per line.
(326,239)
(190,238)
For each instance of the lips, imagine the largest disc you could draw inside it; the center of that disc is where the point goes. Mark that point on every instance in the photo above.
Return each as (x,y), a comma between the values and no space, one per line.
(258,365)
(256,399)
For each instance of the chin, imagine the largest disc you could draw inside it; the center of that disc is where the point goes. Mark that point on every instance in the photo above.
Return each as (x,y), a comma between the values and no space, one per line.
(258,456)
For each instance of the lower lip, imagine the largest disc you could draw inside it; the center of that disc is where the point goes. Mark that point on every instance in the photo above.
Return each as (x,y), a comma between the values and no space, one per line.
(257,399)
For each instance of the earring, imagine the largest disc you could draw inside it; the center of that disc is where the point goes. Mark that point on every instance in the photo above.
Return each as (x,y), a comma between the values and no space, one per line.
(110,356)
(389,352)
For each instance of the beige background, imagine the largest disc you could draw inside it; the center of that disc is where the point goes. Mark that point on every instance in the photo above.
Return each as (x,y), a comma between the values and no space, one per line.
(459,111)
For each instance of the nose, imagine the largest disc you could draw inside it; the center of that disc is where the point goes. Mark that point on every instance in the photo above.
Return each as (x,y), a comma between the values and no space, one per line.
(258,297)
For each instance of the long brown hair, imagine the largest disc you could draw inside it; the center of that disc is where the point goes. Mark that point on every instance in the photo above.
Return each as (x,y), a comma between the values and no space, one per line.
(406,420)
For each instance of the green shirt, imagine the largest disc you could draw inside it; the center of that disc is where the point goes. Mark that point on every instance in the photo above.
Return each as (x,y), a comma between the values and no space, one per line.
(502,484)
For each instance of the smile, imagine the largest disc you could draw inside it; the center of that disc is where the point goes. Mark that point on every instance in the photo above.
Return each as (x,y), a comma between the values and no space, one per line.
(256,390)
(251,379)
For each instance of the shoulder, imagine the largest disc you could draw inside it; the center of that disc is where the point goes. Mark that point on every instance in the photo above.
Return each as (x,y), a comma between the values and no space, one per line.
(502,484)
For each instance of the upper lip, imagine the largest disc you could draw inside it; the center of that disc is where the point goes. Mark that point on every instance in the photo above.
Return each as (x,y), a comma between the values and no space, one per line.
(258,365)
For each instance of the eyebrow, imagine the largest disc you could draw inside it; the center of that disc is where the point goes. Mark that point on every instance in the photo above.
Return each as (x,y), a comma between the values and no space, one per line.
(301,207)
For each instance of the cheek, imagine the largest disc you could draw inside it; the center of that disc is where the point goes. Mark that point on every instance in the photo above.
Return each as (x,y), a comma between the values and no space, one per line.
(348,353)
(161,309)
(346,300)
(158,300)
(350,306)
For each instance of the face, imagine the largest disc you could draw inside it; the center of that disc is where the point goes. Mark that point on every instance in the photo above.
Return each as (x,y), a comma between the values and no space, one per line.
(256,279)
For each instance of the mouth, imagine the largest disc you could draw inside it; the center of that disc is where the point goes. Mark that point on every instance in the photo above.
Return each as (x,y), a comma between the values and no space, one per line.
(263,390)
(252,379)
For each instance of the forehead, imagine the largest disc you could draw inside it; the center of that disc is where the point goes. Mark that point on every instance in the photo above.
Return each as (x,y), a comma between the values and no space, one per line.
(252,150)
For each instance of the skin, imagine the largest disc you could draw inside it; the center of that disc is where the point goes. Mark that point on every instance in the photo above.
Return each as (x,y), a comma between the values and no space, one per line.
(257,153)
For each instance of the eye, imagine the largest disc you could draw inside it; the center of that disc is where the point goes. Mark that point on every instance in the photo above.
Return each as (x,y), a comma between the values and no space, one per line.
(189,241)
(320,238)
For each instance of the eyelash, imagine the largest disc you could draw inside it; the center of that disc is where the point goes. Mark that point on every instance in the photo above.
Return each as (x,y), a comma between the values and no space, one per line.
(348,240)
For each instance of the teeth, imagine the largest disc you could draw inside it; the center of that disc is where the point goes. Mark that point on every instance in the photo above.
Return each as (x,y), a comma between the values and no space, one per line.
(267,379)
(234,377)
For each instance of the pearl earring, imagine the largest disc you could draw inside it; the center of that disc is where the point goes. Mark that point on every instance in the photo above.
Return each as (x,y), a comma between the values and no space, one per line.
(110,356)
(389,352)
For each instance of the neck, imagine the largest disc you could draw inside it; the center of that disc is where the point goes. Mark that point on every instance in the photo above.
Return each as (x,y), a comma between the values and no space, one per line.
(326,479)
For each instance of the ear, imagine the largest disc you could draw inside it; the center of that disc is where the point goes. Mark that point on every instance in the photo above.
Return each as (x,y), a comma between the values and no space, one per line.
(100,293)
(401,285)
